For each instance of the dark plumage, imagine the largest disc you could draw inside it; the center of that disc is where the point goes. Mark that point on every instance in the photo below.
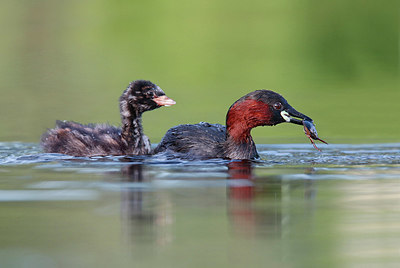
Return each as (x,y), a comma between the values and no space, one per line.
(204,140)
(101,139)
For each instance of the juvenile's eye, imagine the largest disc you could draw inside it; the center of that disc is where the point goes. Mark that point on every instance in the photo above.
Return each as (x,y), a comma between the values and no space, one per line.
(150,94)
(277,106)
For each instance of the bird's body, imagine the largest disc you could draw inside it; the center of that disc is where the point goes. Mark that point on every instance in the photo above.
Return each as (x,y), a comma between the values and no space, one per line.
(77,139)
(201,139)
(233,141)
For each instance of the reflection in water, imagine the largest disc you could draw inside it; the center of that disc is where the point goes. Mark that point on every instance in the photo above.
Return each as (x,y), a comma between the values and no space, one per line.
(132,199)
(240,197)
(246,217)
(262,205)
(309,191)
(217,213)
(272,193)
(256,205)
(241,170)
(144,217)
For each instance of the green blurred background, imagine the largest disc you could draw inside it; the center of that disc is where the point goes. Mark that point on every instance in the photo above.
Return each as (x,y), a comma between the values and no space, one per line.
(336,61)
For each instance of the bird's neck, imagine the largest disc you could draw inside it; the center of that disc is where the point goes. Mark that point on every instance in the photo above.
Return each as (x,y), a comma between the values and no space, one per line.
(241,118)
(132,129)
(240,150)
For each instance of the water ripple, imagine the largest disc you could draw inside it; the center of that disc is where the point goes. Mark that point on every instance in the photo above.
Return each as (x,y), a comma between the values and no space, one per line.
(15,153)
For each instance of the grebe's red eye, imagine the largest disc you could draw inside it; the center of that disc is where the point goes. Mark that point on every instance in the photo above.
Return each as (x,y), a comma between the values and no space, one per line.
(277,106)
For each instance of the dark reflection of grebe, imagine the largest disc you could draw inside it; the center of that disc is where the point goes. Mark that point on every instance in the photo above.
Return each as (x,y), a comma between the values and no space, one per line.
(260,205)
(144,217)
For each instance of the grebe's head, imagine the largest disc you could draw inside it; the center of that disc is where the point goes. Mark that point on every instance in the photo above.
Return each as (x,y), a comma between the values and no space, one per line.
(142,96)
(260,108)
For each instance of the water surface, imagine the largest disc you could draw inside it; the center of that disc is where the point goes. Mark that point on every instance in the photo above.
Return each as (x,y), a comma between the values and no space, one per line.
(295,207)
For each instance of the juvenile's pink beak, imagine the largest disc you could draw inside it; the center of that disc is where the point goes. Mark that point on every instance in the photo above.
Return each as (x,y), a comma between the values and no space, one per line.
(164,101)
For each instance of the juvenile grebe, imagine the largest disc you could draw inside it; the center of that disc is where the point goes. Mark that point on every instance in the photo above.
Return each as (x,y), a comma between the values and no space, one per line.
(204,140)
(101,139)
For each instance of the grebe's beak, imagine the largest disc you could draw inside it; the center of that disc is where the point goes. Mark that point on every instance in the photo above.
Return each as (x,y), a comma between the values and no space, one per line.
(164,101)
(290,113)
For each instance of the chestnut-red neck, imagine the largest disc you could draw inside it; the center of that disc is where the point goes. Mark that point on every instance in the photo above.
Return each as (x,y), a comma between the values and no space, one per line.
(245,115)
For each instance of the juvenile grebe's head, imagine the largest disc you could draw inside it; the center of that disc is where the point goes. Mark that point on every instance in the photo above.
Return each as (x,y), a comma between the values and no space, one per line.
(142,96)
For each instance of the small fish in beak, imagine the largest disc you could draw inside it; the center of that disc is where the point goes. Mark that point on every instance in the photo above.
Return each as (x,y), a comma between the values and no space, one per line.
(311,133)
